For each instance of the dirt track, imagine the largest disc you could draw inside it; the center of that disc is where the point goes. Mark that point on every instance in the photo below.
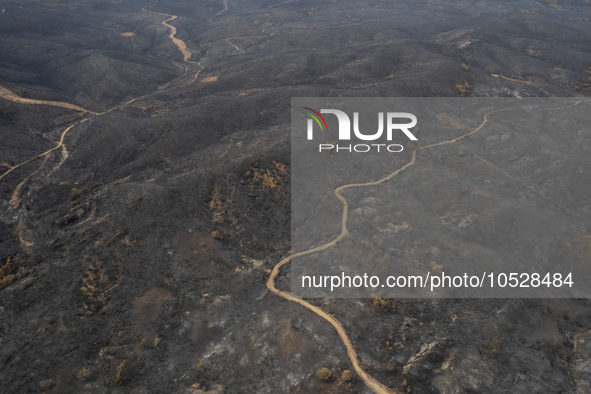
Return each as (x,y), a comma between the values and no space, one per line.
(8,95)
(369,381)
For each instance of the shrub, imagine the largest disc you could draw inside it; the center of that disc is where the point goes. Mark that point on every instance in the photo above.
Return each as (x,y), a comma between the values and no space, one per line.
(75,193)
(347,376)
(385,304)
(83,373)
(324,374)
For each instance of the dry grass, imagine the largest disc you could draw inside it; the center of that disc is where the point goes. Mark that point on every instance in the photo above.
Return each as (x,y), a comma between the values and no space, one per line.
(220,203)
(128,241)
(384,304)
(224,195)
(270,178)
(121,372)
(232,195)
(585,85)
(210,79)
(7,281)
(554,4)
(160,112)
(7,268)
(96,284)
(221,208)
(6,277)
(83,373)
(463,89)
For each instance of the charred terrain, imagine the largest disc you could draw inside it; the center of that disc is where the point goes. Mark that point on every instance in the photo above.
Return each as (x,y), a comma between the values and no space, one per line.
(145,184)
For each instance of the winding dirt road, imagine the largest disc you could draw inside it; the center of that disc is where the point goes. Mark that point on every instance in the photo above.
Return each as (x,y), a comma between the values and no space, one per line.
(242,50)
(8,95)
(226,7)
(180,44)
(238,49)
(369,381)
(47,152)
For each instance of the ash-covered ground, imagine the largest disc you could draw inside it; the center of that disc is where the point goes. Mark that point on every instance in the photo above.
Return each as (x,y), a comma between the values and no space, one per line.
(134,256)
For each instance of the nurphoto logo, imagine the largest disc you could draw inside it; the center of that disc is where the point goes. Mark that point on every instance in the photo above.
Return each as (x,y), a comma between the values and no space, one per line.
(344,133)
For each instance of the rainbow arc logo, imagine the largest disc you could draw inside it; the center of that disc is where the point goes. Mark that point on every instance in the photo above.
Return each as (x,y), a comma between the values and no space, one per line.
(315,115)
